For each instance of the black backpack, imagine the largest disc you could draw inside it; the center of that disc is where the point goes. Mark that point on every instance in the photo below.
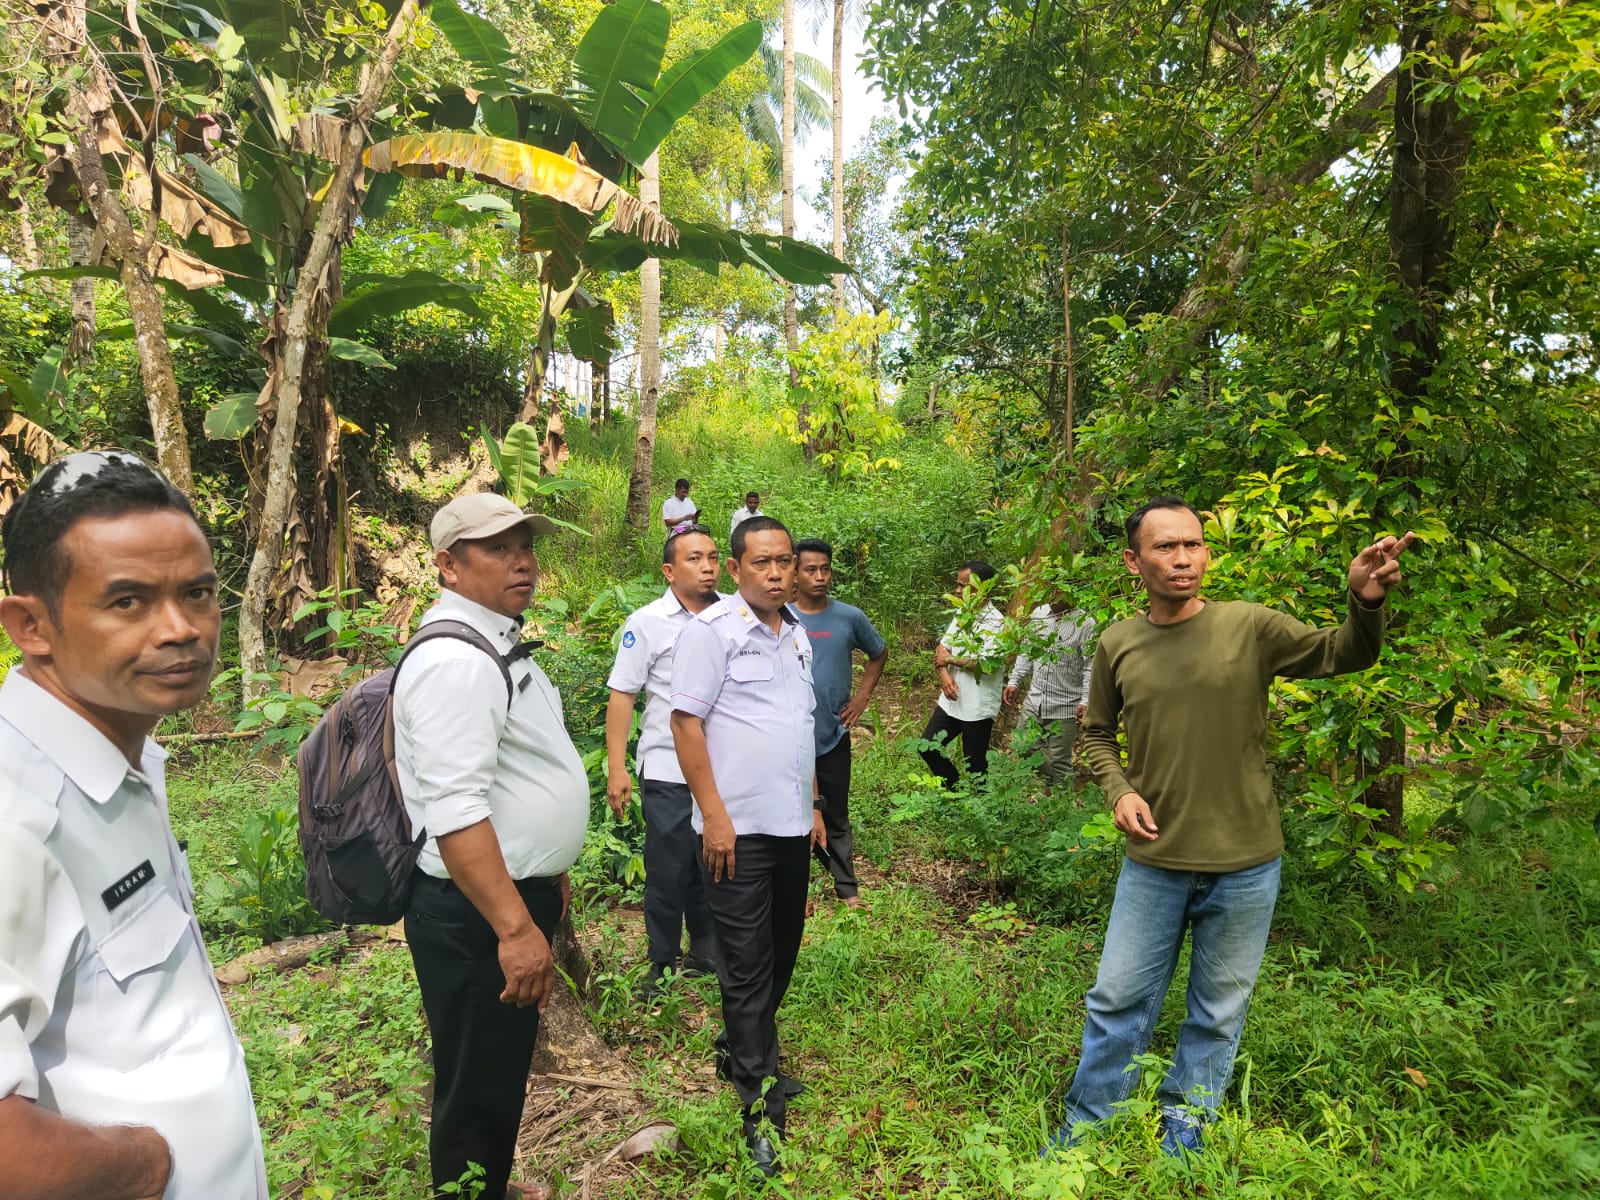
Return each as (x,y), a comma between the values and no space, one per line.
(359,847)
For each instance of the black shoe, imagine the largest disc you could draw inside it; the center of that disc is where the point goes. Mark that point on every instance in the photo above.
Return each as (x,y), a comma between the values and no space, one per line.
(763,1153)
(697,964)
(655,985)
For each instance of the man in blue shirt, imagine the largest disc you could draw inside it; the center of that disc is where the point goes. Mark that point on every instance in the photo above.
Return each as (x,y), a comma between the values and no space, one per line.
(836,631)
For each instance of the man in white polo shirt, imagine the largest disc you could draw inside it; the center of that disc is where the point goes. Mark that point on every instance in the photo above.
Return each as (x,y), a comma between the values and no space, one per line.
(741,720)
(673,894)
(120,1075)
(501,792)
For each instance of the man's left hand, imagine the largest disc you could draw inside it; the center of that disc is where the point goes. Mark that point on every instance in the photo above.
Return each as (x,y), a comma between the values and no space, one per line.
(1376,569)
(1079,712)
(852,710)
(819,832)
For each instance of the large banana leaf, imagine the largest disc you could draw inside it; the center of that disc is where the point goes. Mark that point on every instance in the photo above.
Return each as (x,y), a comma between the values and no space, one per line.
(476,40)
(523,168)
(558,231)
(591,335)
(686,83)
(371,296)
(712,246)
(615,68)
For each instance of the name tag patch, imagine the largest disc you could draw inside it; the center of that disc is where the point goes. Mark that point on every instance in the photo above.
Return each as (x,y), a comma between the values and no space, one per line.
(130,883)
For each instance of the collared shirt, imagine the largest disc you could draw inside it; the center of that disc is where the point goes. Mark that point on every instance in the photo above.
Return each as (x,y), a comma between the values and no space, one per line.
(464,756)
(1061,671)
(835,632)
(109,1011)
(978,688)
(741,515)
(678,511)
(752,687)
(644,663)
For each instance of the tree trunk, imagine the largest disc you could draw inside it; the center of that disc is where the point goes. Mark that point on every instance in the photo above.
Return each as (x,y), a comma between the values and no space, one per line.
(644,451)
(1068,365)
(80,244)
(145,307)
(1432,140)
(335,223)
(791,321)
(838,157)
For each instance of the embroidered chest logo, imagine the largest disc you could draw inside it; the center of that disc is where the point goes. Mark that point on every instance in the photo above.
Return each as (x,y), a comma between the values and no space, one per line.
(128,885)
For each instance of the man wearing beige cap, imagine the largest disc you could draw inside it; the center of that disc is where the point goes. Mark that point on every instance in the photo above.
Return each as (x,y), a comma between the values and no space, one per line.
(492,780)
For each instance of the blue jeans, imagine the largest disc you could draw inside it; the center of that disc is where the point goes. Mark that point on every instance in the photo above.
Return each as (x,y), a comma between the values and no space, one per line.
(1229,914)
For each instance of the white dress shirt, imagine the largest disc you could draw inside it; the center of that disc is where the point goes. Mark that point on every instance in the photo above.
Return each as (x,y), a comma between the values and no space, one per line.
(109,1011)
(978,687)
(644,664)
(741,515)
(1061,670)
(752,687)
(464,756)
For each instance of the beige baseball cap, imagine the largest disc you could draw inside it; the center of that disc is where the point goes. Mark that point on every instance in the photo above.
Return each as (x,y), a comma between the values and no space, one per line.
(481,515)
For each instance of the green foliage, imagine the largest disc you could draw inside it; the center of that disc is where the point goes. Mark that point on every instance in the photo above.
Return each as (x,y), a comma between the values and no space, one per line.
(10,656)
(837,406)
(260,890)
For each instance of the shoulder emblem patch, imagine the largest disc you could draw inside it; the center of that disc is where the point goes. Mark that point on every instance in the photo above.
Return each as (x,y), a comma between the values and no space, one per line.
(628,640)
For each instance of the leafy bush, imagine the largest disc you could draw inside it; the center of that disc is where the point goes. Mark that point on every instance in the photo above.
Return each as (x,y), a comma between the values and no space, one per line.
(261,889)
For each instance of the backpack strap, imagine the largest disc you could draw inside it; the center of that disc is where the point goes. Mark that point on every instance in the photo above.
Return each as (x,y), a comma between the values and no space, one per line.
(459,631)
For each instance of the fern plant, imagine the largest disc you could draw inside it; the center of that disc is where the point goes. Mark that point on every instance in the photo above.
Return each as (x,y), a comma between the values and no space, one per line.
(10,656)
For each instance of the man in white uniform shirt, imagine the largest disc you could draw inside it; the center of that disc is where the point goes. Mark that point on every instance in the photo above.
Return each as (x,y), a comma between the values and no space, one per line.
(741,720)
(971,678)
(752,508)
(501,792)
(673,894)
(120,1075)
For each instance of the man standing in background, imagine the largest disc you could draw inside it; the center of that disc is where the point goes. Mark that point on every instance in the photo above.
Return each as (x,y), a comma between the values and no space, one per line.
(751,508)
(677,509)
(673,893)
(1058,659)
(836,631)
(970,682)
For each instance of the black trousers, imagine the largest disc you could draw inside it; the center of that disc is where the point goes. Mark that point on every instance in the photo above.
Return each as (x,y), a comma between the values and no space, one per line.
(760,914)
(974,735)
(673,894)
(833,782)
(481,1046)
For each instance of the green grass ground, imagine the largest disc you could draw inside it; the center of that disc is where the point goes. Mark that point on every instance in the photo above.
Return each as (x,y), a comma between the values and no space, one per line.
(1440,1045)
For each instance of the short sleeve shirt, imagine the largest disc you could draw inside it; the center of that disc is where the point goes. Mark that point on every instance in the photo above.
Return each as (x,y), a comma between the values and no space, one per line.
(644,664)
(752,687)
(109,1011)
(741,515)
(676,510)
(979,687)
(835,632)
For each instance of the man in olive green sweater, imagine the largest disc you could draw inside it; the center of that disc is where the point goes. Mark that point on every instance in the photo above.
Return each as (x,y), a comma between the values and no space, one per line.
(1188,683)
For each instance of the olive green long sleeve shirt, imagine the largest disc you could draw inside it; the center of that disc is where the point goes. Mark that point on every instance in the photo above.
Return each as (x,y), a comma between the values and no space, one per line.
(1192,699)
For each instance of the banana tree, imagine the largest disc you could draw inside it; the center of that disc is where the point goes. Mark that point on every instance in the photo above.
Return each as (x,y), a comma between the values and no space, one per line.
(603,130)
